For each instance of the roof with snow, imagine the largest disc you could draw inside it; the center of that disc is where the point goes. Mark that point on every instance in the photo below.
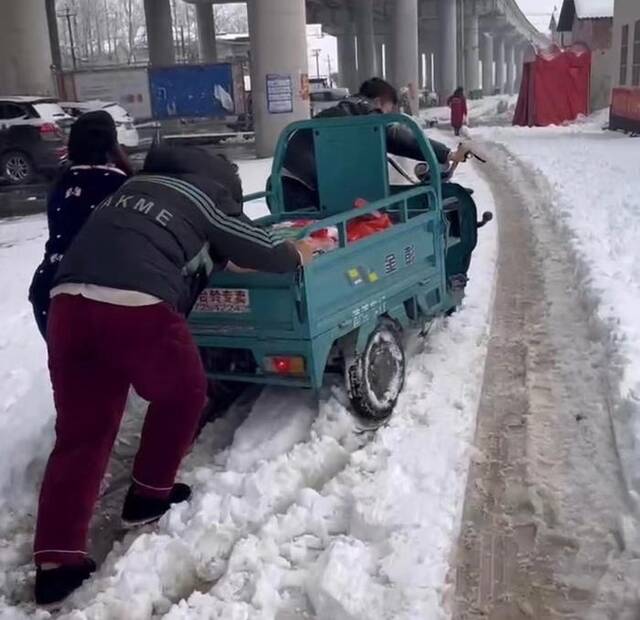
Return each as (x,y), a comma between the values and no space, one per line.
(583,9)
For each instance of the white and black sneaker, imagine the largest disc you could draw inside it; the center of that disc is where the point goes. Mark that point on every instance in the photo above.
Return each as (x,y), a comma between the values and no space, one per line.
(139,510)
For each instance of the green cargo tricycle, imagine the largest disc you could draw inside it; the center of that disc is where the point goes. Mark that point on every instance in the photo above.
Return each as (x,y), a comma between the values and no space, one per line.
(346,312)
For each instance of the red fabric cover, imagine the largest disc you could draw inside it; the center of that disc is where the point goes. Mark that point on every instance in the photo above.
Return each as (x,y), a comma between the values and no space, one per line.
(555,87)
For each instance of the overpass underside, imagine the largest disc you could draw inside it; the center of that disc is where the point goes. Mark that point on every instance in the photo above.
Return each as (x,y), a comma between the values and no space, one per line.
(433,45)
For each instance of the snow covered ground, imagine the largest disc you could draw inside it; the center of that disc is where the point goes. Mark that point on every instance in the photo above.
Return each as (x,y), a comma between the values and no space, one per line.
(295,513)
(594,188)
(495,110)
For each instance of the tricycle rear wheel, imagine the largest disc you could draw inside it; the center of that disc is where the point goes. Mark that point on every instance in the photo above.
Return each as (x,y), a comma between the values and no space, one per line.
(376,377)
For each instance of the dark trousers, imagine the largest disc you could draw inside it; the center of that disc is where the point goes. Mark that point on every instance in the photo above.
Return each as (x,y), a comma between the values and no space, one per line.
(96,351)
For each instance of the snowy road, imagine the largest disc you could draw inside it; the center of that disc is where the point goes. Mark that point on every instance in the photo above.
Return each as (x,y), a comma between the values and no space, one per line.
(295,514)
(550,526)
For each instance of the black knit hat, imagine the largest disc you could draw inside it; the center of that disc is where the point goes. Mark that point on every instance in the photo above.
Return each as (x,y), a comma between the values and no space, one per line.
(93,136)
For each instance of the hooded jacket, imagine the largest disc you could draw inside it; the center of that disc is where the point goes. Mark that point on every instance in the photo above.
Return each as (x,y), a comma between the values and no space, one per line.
(165,231)
(300,156)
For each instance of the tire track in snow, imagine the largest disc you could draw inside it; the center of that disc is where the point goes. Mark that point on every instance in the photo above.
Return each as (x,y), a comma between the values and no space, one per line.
(547,529)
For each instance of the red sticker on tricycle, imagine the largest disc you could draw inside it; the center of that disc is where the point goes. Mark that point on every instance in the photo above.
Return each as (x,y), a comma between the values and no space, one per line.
(224,301)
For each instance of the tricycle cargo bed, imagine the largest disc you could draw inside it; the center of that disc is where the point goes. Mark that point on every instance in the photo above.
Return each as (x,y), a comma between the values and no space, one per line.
(396,272)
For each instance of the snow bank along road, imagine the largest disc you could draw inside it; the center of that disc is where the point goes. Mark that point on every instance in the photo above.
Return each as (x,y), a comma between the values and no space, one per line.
(295,514)
(550,523)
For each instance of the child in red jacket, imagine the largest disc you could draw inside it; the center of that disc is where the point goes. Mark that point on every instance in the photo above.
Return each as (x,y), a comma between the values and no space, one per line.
(458,104)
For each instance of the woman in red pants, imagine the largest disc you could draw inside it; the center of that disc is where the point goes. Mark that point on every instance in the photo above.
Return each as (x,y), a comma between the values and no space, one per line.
(117,318)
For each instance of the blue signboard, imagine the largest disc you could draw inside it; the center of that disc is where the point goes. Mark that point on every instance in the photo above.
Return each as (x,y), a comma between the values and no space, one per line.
(192,91)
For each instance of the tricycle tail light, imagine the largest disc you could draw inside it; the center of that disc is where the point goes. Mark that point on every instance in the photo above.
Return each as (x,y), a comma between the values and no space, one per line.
(285,365)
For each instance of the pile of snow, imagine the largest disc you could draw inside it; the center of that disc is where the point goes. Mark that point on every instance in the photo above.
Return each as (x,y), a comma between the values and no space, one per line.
(295,512)
(594,180)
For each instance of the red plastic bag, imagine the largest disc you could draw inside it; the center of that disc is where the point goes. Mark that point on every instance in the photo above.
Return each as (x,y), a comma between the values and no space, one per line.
(322,234)
(367,225)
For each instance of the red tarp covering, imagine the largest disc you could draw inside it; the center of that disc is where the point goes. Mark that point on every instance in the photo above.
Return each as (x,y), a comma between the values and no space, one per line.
(555,87)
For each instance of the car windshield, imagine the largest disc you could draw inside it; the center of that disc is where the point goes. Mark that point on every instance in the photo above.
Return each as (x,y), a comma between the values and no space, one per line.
(50,111)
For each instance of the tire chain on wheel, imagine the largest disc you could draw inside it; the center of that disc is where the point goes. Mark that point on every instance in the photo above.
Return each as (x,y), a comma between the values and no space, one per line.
(356,384)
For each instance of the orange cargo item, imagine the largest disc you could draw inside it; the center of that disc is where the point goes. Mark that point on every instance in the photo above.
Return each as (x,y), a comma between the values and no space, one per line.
(367,225)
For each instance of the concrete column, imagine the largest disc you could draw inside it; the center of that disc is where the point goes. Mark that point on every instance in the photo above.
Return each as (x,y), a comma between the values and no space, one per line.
(461,53)
(347,59)
(448,52)
(405,48)
(488,85)
(162,51)
(54,35)
(388,58)
(472,52)
(510,59)
(380,69)
(431,83)
(426,43)
(519,66)
(206,33)
(499,54)
(25,52)
(278,61)
(367,59)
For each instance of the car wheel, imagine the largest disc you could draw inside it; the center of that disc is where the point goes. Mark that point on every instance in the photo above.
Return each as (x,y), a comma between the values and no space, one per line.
(17,168)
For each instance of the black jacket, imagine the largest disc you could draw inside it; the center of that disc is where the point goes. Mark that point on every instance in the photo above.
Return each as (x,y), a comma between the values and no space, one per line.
(300,156)
(165,231)
(73,198)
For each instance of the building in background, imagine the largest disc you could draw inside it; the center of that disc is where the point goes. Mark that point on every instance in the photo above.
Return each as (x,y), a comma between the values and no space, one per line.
(625,106)
(591,22)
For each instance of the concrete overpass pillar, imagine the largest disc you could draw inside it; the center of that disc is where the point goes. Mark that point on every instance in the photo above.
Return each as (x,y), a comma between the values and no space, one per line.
(472,52)
(206,33)
(499,53)
(347,59)
(488,85)
(510,60)
(278,30)
(380,69)
(448,53)
(519,66)
(425,39)
(25,52)
(405,48)
(367,59)
(159,22)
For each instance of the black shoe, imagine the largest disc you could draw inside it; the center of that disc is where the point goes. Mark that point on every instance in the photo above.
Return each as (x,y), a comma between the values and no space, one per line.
(139,510)
(54,585)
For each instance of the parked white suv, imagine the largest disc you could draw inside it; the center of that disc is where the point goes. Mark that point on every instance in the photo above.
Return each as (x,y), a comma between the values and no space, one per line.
(127,133)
